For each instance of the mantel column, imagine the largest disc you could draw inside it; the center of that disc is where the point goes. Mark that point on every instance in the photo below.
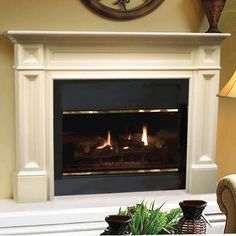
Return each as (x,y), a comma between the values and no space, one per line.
(30,182)
(203,111)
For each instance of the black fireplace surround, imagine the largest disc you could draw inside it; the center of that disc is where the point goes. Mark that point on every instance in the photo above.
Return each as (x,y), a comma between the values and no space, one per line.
(119,135)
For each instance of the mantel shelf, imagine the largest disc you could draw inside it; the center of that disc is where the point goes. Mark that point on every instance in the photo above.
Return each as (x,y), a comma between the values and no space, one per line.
(18,36)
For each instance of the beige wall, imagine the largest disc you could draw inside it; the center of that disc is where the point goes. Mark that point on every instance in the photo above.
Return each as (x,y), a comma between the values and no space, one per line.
(173,15)
(7,121)
(226,142)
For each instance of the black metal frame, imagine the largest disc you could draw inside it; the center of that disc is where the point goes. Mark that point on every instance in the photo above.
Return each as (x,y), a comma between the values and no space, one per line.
(123,94)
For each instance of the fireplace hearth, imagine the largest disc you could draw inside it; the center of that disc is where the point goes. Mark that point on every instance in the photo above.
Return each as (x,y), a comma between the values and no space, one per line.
(115,130)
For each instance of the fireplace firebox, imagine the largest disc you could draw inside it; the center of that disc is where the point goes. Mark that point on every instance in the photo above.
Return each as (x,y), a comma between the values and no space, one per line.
(119,135)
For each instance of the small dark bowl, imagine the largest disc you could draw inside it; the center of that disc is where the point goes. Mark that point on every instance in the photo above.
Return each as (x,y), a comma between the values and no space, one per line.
(118,220)
(192,209)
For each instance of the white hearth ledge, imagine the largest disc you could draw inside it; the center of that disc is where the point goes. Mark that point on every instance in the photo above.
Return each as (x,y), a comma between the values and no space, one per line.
(44,56)
(85,214)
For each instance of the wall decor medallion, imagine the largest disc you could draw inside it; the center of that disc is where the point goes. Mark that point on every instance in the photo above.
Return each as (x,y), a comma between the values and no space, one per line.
(123,9)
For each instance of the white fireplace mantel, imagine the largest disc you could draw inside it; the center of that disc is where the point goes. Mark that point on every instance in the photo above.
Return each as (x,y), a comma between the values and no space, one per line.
(44,56)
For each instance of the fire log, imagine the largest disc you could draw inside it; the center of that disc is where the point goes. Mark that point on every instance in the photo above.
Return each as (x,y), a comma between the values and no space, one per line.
(130,143)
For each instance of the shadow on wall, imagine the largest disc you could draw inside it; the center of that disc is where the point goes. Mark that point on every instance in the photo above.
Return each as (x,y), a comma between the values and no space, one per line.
(194,14)
(7,118)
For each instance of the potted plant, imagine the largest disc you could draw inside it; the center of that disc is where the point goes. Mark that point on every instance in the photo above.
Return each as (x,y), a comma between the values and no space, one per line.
(148,220)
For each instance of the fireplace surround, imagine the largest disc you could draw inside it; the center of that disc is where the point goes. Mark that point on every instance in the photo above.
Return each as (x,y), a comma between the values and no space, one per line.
(42,57)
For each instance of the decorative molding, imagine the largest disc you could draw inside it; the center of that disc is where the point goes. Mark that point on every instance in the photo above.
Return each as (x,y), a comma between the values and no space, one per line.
(209,56)
(68,37)
(111,57)
(30,137)
(202,173)
(30,56)
(31,116)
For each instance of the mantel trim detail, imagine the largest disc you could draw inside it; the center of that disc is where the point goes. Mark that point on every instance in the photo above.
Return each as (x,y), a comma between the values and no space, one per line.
(75,36)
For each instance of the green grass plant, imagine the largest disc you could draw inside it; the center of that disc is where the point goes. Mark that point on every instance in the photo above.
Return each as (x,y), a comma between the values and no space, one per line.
(148,220)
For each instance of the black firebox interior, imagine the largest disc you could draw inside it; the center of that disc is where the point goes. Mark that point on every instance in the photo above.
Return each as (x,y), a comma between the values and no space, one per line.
(119,135)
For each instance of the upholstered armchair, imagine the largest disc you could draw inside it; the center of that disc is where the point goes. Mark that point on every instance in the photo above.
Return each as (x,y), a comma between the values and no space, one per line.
(226,199)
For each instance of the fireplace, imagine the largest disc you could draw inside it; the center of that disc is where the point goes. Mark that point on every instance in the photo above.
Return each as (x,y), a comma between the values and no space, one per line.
(43,59)
(115,135)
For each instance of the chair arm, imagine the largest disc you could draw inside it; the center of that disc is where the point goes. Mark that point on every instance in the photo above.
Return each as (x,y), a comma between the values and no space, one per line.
(226,199)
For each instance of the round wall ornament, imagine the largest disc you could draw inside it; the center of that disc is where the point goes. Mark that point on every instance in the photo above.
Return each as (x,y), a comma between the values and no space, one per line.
(123,9)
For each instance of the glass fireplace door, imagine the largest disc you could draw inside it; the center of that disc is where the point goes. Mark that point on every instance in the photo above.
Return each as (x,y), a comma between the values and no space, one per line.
(120,141)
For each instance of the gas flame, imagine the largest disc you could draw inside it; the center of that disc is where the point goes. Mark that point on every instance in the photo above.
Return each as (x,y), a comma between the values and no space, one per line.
(129,138)
(107,142)
(144,135)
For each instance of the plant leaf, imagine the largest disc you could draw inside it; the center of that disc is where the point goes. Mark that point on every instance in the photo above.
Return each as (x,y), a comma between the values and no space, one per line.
(150,221)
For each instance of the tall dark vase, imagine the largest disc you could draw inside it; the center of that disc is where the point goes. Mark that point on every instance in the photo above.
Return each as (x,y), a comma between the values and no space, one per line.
(118,225)
(192,221)
(213,10)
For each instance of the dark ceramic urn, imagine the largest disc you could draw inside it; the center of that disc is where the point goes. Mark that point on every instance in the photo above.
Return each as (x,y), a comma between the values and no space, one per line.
(213,10)
(118,225)
(192,221)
